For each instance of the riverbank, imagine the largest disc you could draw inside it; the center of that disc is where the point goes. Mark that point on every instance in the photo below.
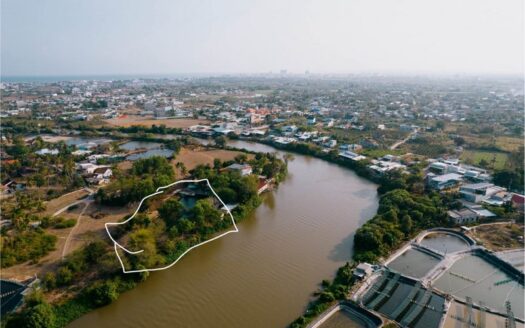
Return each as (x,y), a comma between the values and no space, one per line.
(291,241)
(97,282)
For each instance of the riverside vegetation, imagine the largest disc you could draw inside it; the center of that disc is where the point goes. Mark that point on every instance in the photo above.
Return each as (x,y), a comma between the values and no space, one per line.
(91,276)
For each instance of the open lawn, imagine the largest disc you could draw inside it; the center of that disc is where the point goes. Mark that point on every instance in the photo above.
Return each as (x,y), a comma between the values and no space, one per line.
(475,156)
(192,158)
(146,121)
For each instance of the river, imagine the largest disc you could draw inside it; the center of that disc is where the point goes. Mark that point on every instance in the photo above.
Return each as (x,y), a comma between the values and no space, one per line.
(264,275)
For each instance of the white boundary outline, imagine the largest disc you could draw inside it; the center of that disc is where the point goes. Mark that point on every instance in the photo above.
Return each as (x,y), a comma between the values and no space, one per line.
(160,190)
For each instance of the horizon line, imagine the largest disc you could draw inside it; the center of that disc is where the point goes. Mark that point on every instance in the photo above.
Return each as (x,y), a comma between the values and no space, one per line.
(305,73)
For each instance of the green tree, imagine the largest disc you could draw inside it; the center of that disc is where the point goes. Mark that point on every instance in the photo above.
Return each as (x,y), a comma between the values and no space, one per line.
(185,225)
(103,293)
(50,280)
(406,224)
(171,211)
(220,141)
(40,316)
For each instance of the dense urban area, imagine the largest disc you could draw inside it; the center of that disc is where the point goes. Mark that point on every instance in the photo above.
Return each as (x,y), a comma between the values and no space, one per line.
(443,247)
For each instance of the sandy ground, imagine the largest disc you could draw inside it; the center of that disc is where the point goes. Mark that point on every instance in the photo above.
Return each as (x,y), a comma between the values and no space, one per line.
(192,158)
(149,121)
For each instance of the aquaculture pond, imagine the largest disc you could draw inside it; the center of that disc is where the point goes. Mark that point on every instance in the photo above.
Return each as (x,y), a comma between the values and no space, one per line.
(444,243)
(473,276)
(414,263)
(514,257)
(405,301)
(150,153)
(343,319)
(83,142)
(134,145)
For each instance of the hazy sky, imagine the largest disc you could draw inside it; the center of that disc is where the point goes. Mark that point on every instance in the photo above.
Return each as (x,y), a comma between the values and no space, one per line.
(69,37)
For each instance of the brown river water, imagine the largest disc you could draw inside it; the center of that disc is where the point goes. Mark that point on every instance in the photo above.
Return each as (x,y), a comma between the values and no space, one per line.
(264,275)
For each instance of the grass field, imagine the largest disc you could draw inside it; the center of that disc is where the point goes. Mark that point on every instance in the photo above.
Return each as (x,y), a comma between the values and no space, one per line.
(509,143)
(499,237)
(475,156)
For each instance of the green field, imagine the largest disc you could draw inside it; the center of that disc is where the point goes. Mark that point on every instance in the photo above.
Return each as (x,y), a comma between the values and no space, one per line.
(475,156)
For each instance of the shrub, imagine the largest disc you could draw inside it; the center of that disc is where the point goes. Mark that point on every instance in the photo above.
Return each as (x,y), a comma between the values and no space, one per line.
(64,276)
(103,293)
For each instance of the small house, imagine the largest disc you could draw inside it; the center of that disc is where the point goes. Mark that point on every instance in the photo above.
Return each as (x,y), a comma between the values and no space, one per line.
(363,270)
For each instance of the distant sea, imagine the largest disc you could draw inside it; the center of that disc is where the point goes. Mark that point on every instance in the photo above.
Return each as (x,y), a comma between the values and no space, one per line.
(59,78)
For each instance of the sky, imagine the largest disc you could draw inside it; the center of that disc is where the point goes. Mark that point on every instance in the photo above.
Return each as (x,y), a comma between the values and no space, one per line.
(97,37)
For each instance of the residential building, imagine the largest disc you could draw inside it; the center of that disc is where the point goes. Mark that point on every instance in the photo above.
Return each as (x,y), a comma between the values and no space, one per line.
(483,192)
(445,181)
(363,270)
(243,169)
(351,155)
(46,151)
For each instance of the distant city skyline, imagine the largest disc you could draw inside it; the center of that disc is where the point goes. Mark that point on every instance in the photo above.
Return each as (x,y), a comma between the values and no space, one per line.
(147,38)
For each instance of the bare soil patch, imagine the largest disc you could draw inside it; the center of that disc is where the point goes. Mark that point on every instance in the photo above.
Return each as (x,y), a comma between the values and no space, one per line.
(148,121)
(499,236)
(193,157)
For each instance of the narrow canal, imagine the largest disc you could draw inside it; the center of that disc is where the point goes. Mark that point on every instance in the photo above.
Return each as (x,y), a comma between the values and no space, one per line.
(264,275)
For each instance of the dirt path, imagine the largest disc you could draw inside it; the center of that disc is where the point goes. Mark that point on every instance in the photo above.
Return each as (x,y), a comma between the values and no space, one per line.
(86,201)
(68,238)
(399,143)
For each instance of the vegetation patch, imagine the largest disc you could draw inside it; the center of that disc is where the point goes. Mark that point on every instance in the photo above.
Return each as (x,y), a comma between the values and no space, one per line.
(486,159)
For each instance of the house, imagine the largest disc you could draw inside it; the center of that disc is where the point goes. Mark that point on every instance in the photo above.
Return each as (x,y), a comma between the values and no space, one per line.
(229,207)
(10,186)
(243,169)
(222,131)
(518,202)
(329,123)
(438,167)
(405,128)
(289,130)
(330,143)
(351,155)
(100,175)
(483,191)
(445,181)
(47,151)
(263,184)
(311,121)
(351,147)
(87,168)
(362,270)
(284,141)
(380,167)
(469,214)
(463,216)
(369,143)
